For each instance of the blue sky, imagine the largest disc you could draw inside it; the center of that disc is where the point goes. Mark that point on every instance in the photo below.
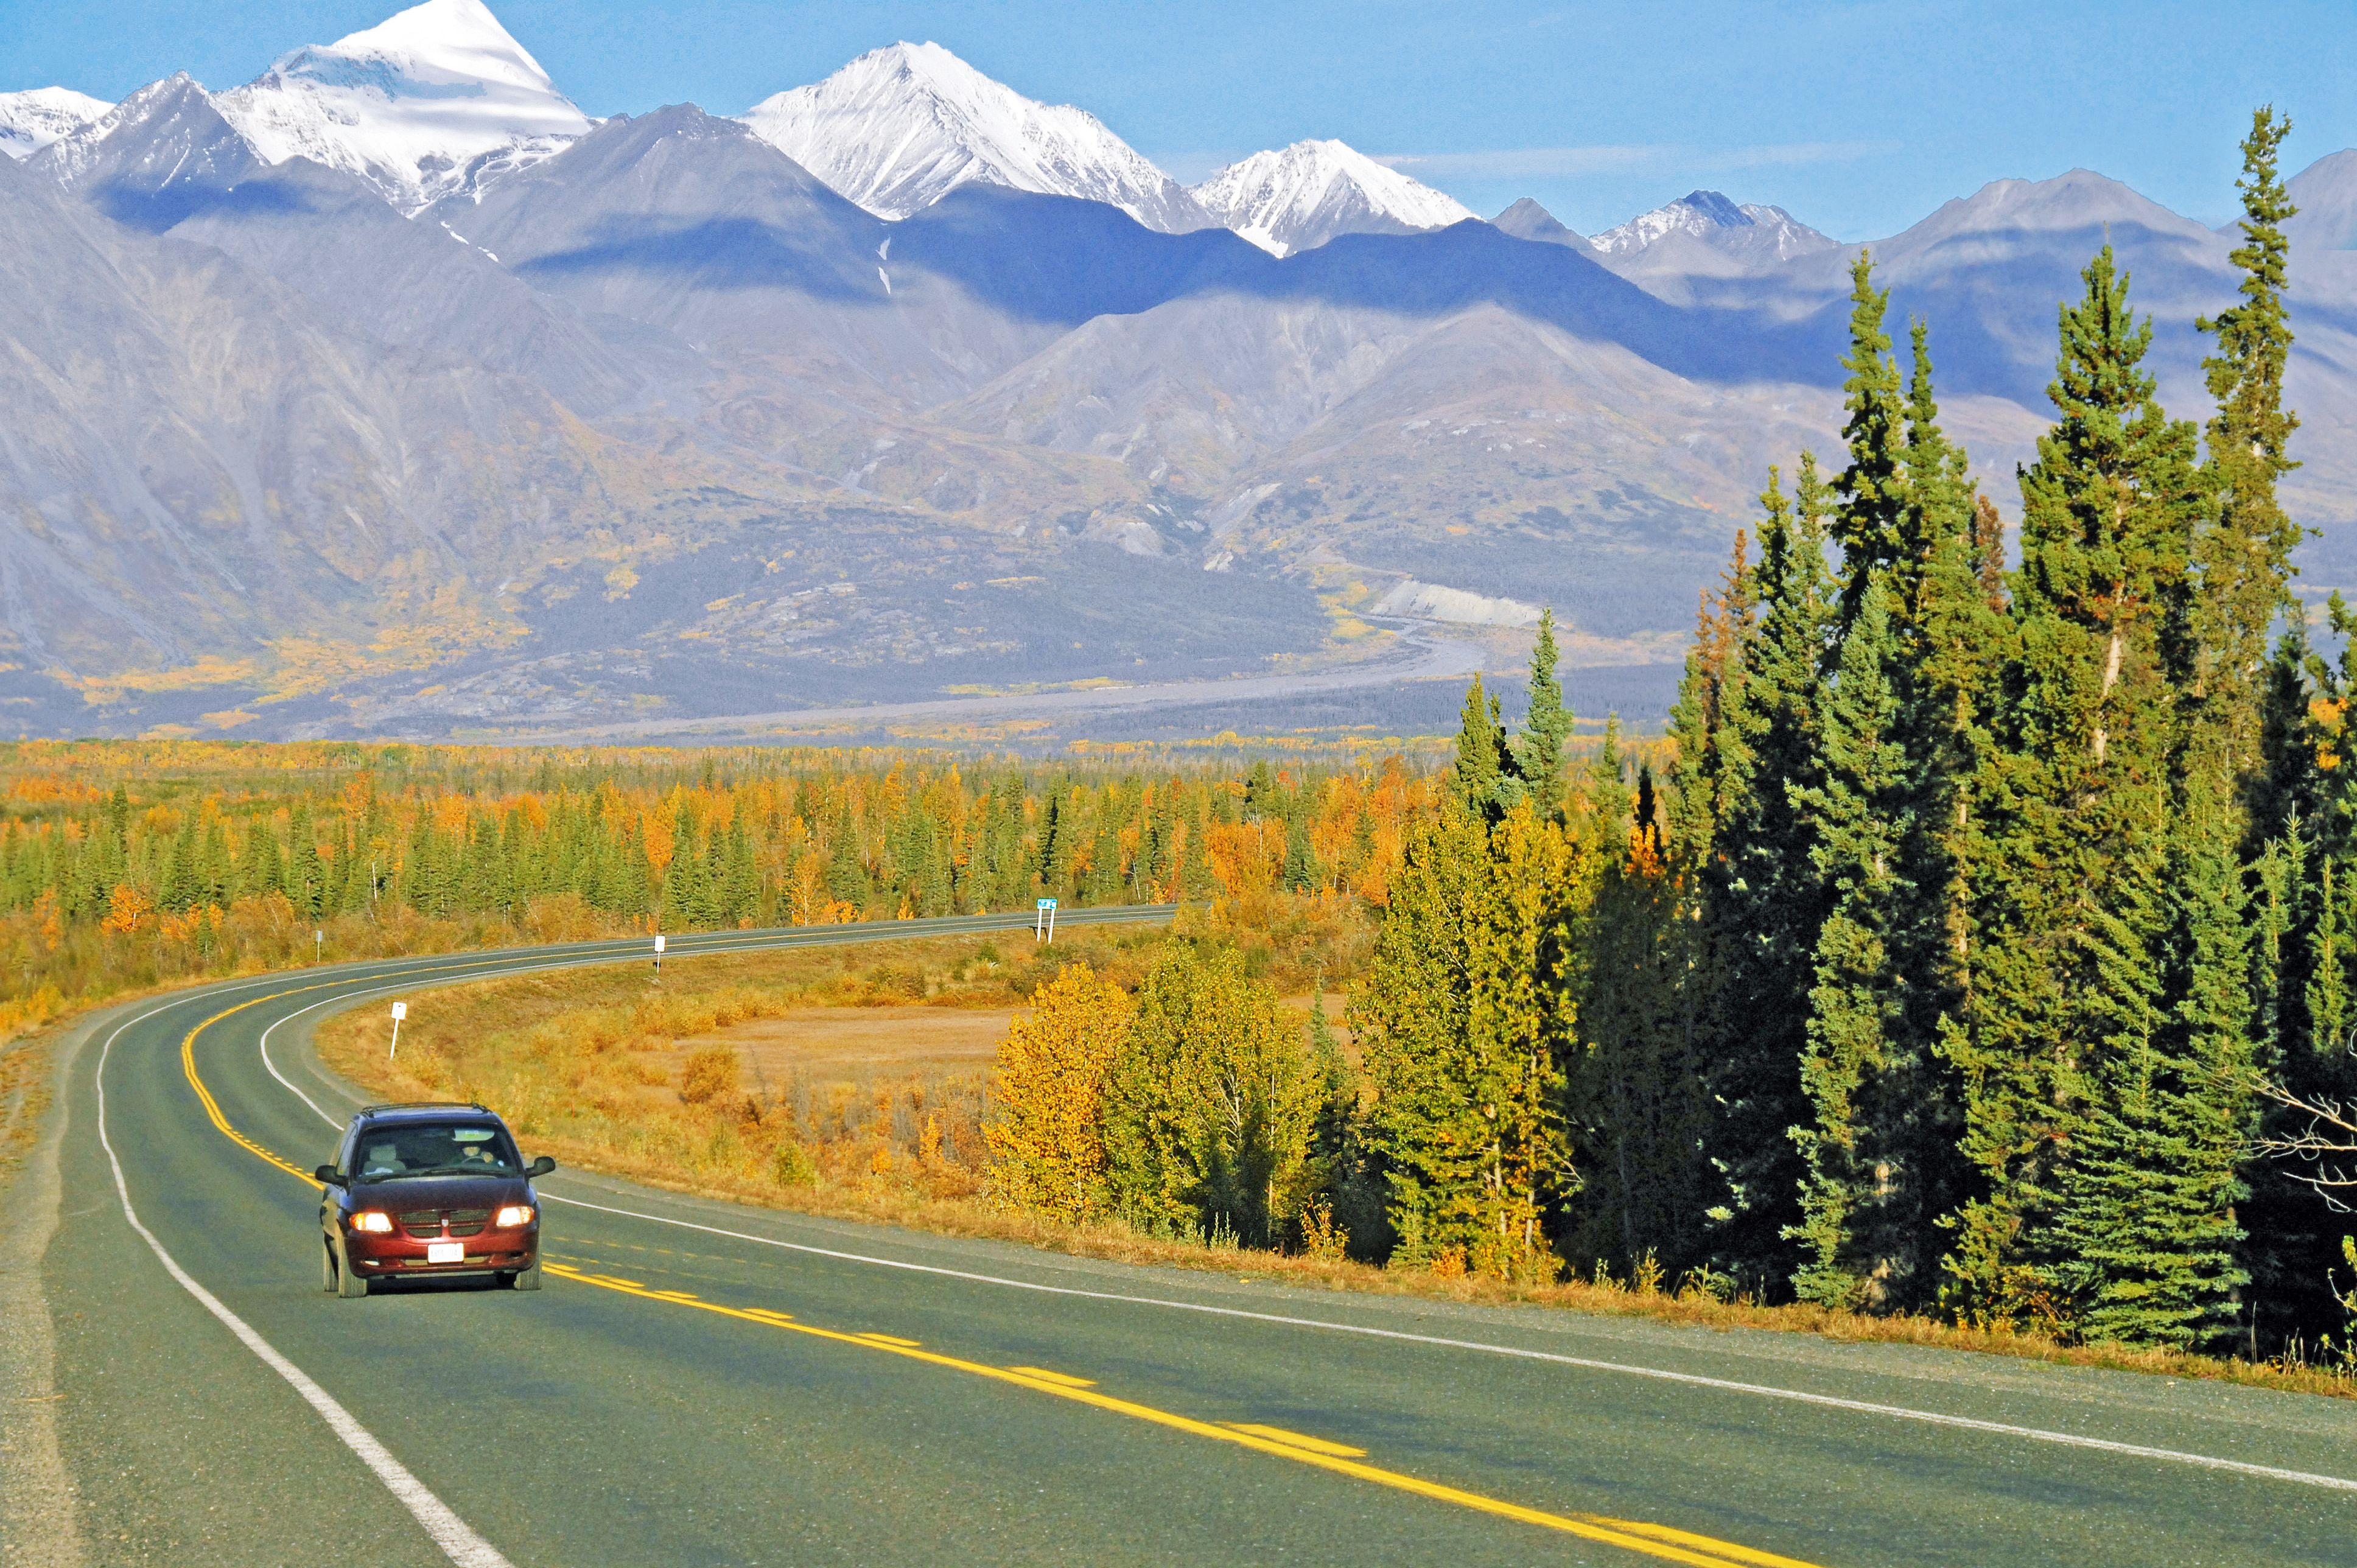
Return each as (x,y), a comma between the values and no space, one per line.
(1859,117)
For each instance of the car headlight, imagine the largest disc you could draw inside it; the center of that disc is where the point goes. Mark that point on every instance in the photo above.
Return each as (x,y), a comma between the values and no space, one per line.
(513,1215)
(372,1219)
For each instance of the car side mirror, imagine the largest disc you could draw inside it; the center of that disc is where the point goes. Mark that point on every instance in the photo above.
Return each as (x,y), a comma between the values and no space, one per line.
(326,1176)
(540,1166)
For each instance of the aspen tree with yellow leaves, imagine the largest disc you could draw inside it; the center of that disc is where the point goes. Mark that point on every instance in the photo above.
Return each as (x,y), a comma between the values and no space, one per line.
(1047,1134)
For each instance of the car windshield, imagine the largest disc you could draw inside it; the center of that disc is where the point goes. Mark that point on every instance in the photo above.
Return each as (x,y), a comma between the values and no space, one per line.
(434,1148)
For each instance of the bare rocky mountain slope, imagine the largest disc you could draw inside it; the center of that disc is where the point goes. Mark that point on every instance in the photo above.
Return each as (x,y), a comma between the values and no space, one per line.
(653,426)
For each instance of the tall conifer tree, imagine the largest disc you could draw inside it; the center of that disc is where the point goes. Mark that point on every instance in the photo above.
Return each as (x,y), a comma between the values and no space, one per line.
(1763,902)
(2071,898)
(1547,728)
(1857,1247)
(2243,556)
(1869,525)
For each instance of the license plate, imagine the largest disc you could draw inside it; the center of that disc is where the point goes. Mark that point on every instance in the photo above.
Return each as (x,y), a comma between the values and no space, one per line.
(445,1252)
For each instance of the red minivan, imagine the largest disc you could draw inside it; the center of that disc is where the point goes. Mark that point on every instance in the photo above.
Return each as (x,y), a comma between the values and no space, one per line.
(428,1191)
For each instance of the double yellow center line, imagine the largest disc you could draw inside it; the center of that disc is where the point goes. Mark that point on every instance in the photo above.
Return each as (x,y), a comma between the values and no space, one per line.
(1661,1541)
(1652,1540)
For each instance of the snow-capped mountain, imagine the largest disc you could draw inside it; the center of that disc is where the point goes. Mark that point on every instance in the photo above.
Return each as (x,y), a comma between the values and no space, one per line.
(419,105)
(1301,196)
(168,134)
(1751,232)
(31,121)
(898,128)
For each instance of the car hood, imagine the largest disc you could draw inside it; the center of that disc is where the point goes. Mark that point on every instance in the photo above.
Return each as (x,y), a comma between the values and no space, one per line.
(441,1192)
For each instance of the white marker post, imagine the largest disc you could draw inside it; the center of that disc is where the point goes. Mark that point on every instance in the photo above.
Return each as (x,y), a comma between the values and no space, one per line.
(399,1011)
(318,946)
(1043,926)
(658,952)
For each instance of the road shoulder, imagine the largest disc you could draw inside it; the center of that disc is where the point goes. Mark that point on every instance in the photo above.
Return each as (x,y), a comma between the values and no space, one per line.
(40,1513)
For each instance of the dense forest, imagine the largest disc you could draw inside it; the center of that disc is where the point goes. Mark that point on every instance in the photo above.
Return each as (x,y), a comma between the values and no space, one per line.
(126,864)
(1982,941)
(1985,946)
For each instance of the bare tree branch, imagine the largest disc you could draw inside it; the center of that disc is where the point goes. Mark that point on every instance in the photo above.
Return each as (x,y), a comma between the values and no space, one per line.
(2327,1144)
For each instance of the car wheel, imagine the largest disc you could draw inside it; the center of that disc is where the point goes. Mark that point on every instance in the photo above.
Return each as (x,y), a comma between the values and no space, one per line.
(350,1284)
(327,1265)
(528,1279)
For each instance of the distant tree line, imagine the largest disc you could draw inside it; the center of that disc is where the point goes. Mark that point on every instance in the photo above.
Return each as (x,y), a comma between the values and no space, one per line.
(126,864)
(817,844)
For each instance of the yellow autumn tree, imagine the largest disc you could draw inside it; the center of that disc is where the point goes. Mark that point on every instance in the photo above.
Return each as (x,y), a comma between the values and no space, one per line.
(1047,1130)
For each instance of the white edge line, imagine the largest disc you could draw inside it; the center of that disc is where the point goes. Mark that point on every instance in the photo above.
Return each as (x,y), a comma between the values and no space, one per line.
(1695,1380)
(457,1540)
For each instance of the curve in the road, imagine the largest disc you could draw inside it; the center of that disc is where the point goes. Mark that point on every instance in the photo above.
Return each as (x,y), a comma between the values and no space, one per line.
(469,1550)
(720,1442)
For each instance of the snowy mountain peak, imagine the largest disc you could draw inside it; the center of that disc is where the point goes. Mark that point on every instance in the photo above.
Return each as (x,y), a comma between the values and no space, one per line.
(1755,233)
(898,128)
(1302,196)
(31,121)
(166,130)
(418,105)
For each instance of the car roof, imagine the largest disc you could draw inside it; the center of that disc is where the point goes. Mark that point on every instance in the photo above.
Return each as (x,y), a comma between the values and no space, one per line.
(377,1115)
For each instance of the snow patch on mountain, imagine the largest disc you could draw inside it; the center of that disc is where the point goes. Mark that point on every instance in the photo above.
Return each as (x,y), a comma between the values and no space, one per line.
(31,121)
(1302,196)
(1758,233)
(421,105)
(899,128)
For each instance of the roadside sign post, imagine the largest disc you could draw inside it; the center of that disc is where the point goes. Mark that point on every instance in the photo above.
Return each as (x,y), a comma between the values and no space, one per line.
(659,953)
(399,1011)
(1043,926)
(318,946)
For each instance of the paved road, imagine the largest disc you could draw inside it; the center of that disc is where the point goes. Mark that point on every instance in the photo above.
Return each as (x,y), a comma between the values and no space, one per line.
(707,1384)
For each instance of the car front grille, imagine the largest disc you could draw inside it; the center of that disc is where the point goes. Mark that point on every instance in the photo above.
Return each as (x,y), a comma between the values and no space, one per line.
(427,1224)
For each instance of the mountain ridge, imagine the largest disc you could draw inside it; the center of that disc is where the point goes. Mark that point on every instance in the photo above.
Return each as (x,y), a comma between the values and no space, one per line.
(656,426)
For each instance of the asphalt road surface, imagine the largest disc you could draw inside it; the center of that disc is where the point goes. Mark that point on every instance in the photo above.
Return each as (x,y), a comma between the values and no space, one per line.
(701,1383)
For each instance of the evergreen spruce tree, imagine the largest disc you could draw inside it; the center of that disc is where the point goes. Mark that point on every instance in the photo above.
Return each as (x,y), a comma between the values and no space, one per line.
(1302,873)
(263,873)
(1463,1024)
(2072,898)
(2326,995)
(1869,525)
(177,889)
(1538,751)
(1484,764)
(1209,1102)
(1859,1245)
(1636,1085)
(846,868)
(2243,556)
(738,894)
(307,880)
(1763,900)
